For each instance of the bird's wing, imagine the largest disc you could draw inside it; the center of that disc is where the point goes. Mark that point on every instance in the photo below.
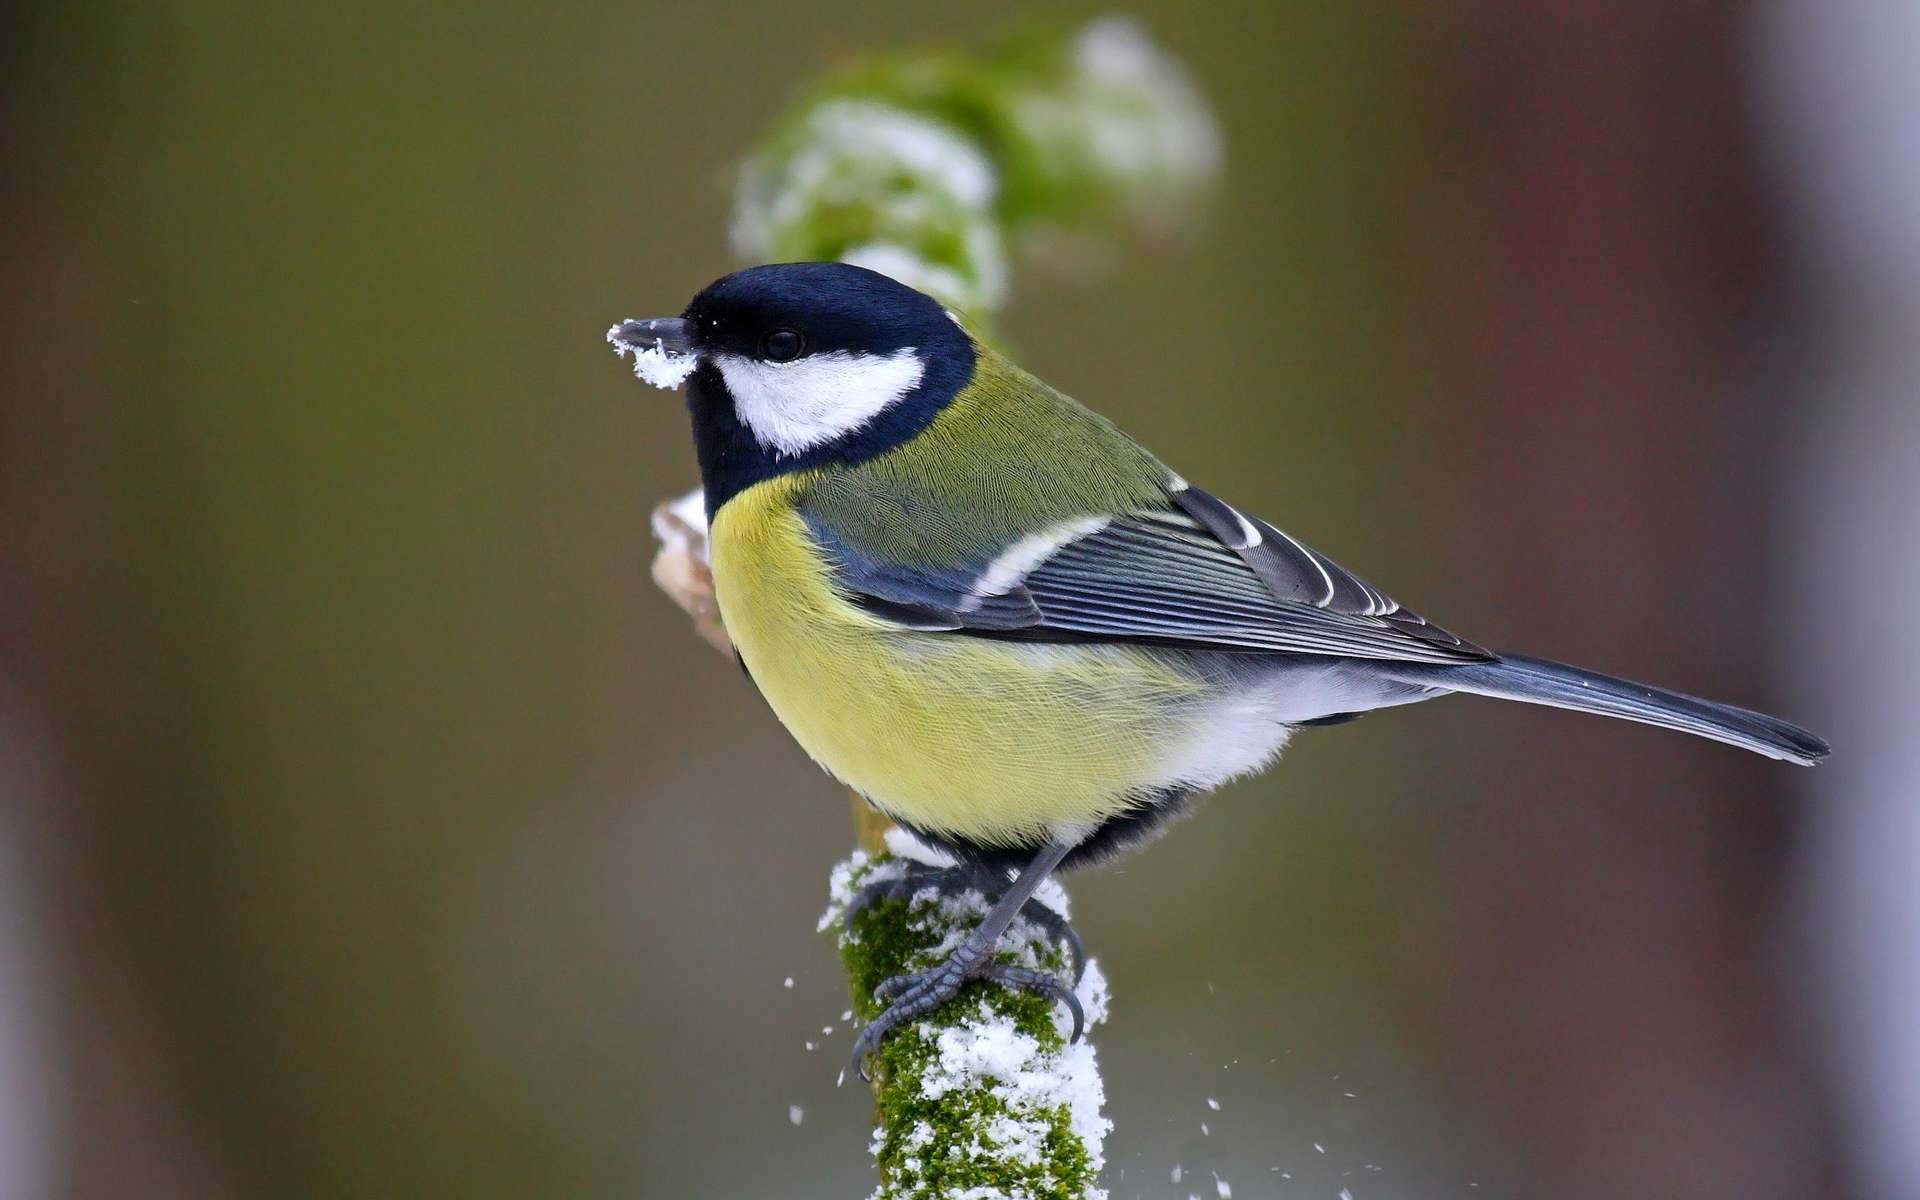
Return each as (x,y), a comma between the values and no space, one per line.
(1194,572)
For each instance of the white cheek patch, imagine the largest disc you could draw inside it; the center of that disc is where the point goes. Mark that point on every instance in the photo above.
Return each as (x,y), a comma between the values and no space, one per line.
(794,406)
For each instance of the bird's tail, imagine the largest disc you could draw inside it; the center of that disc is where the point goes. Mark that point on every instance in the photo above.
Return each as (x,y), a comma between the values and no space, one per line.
(1539,681)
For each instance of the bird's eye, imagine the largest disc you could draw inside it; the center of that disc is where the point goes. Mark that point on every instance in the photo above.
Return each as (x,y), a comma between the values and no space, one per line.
(782,345)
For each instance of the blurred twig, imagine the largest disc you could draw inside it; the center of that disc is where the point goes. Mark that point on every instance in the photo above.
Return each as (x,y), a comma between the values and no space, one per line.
(680,568)
(680,565)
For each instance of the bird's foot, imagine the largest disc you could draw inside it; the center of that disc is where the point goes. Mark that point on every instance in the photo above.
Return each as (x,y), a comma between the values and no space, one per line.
(956,881)
(908,997)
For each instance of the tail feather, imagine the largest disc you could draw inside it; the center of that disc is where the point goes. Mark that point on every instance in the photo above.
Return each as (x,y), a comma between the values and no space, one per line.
(1539,681)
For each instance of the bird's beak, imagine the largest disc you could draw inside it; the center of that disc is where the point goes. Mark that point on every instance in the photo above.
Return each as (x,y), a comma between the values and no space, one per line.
(668,334)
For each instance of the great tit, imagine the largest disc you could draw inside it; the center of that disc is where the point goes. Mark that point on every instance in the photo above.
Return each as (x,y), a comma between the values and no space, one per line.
(1012,629)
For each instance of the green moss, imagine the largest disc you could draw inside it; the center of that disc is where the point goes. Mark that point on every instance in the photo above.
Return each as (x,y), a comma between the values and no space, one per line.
(938,1146)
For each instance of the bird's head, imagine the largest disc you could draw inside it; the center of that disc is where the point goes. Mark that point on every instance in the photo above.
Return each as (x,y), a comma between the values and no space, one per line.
(796,365)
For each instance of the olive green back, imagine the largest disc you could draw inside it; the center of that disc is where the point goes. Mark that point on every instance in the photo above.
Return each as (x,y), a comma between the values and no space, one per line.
(1007,457)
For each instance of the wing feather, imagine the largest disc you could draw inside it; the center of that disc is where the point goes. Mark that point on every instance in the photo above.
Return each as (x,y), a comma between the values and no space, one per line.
(1197,573)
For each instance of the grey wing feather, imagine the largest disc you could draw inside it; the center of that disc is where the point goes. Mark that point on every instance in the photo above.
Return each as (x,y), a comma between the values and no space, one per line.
(1295,571)
(1170,577)
(931,599)
(1201,575)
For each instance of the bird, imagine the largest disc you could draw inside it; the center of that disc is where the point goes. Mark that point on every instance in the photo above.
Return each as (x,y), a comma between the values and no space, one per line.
(1009,626)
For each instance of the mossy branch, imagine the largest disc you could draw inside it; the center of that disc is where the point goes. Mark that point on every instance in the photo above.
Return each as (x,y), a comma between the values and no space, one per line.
(984,1097)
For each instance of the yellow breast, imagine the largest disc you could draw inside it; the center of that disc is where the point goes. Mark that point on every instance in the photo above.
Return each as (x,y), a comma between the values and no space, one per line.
(996,742)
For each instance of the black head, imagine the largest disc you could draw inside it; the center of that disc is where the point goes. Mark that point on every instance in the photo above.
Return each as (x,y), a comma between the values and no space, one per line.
(802,364)
(829,306)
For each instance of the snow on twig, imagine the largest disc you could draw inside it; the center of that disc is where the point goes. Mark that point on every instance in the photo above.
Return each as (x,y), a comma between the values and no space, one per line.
(984,1097)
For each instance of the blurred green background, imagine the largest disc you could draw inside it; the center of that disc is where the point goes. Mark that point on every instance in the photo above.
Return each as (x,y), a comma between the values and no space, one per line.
(387,833)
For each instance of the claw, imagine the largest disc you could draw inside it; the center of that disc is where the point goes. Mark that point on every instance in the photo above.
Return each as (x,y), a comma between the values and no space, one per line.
(864,1047)
(1063,934)
(1044,983)
(907,997)
(914,995)
(892,987)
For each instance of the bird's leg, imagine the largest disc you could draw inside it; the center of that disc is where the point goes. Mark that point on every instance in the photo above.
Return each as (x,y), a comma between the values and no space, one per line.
(956,881)
(914,995)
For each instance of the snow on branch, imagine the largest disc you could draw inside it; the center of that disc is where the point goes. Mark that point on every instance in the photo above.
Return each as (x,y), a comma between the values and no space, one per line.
(984,1098)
